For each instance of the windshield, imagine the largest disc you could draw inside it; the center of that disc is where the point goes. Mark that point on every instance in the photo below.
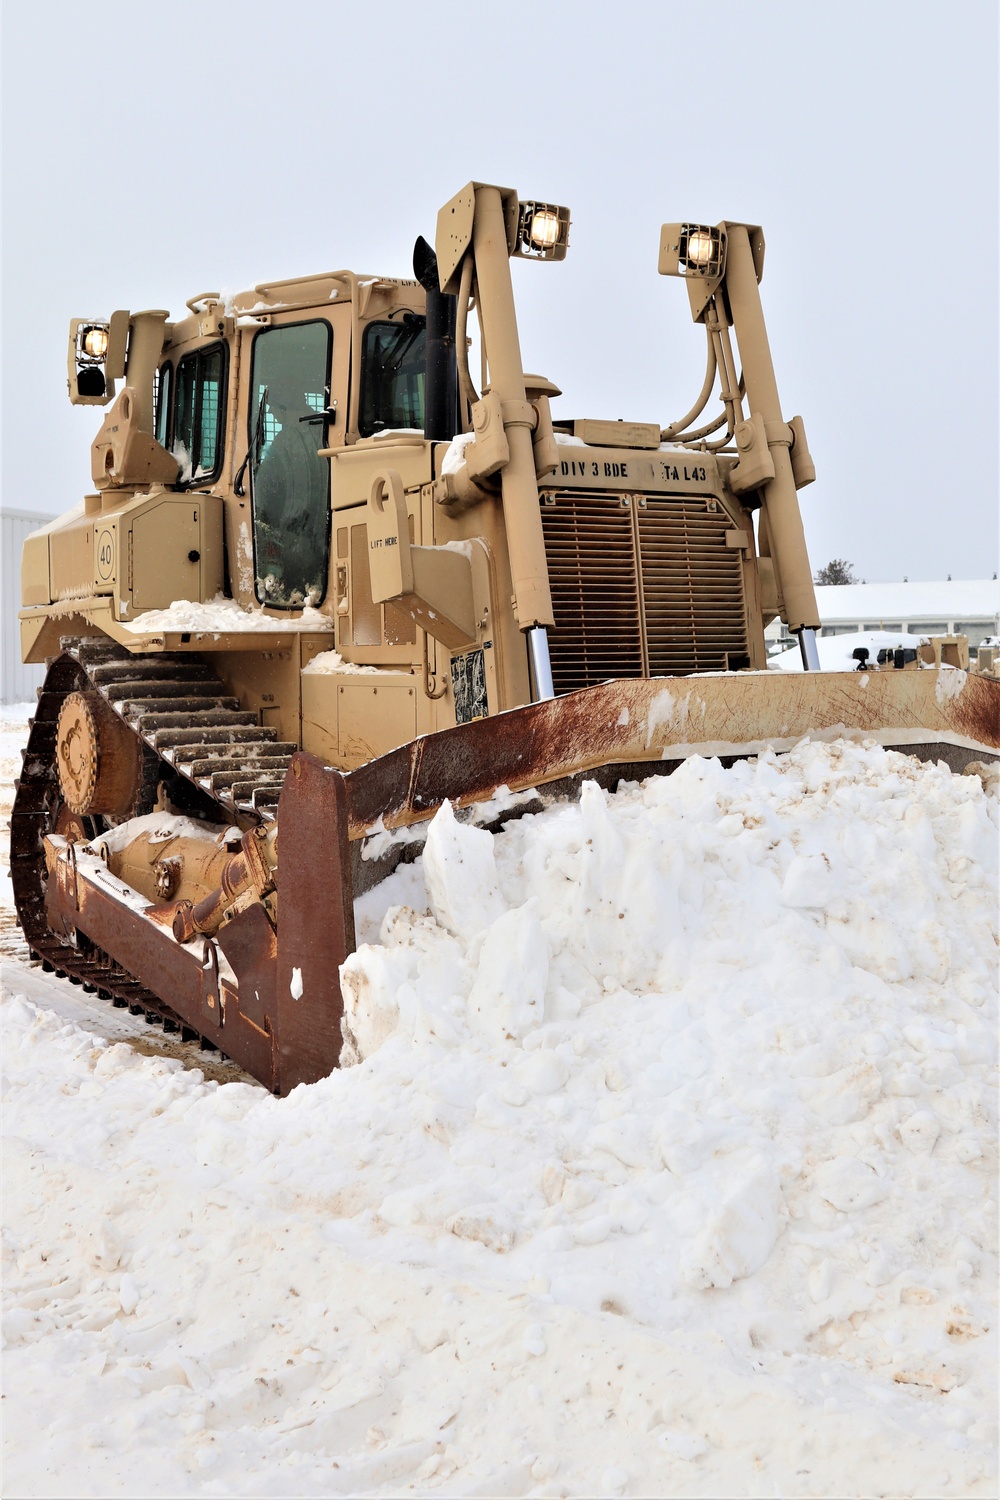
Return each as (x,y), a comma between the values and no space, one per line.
(392,375)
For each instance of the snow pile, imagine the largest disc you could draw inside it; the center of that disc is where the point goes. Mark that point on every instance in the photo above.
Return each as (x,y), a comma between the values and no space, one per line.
(454,454)
(222,616)
(667,1169)
(716,1005)
(325,662)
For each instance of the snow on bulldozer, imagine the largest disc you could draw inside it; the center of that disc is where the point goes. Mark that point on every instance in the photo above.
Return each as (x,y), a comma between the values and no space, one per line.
(324,585)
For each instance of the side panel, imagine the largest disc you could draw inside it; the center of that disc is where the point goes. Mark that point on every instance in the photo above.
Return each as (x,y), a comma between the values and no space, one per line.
(350,718)
(319,716)
(166,555)
(35,584)
(374,716)
(71,560)
(175,544)
(145,552)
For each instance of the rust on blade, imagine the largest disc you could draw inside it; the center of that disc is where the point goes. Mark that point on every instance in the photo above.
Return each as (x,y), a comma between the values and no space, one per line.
(250,944)
(655,719)
(976,711)
(316,922)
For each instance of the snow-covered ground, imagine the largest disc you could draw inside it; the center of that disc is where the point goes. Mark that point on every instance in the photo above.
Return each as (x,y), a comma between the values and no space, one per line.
(668,1168)
(14,720)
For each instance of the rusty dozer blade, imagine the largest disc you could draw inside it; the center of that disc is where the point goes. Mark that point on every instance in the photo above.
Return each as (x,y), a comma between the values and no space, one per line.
(638,723)
(272,1000)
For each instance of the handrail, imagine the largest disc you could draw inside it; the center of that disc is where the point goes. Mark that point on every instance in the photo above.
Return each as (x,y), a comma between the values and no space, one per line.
(274,286)
(192,302)
(461,340)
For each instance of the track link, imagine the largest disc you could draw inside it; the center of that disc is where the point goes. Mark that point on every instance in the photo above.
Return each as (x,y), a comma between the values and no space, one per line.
(192,733)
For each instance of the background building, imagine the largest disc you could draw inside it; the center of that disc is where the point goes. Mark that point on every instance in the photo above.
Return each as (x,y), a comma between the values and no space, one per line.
(968,606)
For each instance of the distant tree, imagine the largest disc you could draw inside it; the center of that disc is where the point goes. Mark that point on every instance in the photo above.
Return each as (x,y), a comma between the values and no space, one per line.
(838,570)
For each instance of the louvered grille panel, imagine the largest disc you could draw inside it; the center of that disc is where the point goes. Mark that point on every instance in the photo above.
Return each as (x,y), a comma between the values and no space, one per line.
(693,607)
(692,587)
(595,592)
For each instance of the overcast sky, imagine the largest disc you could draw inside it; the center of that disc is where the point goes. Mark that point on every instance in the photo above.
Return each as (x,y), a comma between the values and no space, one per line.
(154,152)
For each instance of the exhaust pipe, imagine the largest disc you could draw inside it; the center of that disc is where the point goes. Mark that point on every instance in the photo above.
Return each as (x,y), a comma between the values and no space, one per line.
(440,363)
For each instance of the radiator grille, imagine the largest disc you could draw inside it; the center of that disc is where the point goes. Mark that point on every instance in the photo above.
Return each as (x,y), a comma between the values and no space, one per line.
(642,586)
(594,580)
(692,588)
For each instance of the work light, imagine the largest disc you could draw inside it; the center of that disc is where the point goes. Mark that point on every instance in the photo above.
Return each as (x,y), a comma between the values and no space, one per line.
(702,250)
(94,338)
(701,247)
(542,231)
(693,250)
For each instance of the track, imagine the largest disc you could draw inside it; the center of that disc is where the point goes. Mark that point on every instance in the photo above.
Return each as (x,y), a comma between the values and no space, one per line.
(209,757)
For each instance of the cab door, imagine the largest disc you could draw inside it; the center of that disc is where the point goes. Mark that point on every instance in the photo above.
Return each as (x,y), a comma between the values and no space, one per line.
(288,414)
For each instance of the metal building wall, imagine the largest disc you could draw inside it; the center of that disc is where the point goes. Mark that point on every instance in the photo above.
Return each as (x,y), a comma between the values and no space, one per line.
(17,682)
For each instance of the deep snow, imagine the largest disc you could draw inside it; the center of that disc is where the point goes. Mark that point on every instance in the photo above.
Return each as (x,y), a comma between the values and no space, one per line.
(669,1168)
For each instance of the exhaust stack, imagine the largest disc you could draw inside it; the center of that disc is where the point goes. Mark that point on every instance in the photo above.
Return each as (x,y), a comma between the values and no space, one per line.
(441,365)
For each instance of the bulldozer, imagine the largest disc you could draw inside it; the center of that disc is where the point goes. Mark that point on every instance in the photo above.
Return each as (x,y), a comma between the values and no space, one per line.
(323,584)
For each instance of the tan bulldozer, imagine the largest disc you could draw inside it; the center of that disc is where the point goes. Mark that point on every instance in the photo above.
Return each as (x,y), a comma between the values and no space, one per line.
(323,583)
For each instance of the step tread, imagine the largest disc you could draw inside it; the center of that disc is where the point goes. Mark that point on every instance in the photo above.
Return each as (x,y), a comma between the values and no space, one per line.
(115,689)
(239,784)
(219,763)
(211,719)
(178,737)
(126,671)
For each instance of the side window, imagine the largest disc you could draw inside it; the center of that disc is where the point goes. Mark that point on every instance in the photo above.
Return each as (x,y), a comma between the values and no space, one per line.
(164,379)
(197,433)
(290,483)
(392,375)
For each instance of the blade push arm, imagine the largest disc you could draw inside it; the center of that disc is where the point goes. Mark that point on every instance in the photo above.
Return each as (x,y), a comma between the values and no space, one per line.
(722,266)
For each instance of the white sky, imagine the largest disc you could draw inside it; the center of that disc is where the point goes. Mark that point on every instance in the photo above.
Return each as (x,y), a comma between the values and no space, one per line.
(155,152)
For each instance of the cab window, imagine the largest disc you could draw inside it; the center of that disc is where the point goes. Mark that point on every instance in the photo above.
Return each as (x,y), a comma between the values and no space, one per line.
(392,375)
(198,424)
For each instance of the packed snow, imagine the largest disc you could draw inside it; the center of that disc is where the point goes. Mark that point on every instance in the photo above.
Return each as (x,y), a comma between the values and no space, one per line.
(326,662)
(666,1165)
(454,454)
(222,616)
